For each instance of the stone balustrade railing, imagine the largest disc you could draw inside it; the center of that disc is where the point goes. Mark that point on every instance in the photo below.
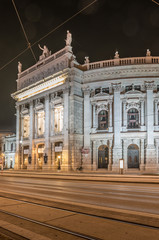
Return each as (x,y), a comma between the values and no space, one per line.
(42,62)
(122,62)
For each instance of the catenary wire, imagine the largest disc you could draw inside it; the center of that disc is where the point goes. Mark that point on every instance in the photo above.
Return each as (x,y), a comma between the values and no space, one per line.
(31,45)
(27,40)
(155,2)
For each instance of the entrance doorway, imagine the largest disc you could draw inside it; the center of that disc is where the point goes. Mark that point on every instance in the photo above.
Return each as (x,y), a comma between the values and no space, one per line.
(103,158)
(40,155)
(133,156)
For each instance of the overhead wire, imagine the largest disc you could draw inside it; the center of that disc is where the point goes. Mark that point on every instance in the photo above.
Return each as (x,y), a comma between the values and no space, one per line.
(31,45)
(155,2)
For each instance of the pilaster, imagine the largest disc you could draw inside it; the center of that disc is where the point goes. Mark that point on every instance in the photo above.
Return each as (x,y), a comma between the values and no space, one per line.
(117,149)
(110,116)
(65,161)
(150,148)
(110,155)
(87,128)
(31,165)
(17,155)
(47,152)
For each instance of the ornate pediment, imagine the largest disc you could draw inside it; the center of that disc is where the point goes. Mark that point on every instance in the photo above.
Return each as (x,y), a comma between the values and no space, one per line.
(101,106)
(132,104)
(101,94)
(133,92)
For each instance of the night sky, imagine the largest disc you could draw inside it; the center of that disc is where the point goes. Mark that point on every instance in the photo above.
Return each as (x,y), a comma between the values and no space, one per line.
(108,25)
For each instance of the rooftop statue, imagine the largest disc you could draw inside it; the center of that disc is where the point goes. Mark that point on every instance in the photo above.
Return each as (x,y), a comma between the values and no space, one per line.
(116,55)
(45,52)
(86,60)
(19,67)
(148,53)
(68,39)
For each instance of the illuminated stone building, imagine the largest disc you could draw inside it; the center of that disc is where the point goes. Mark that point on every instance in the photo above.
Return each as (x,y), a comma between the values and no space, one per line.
(8,149)
(72,116)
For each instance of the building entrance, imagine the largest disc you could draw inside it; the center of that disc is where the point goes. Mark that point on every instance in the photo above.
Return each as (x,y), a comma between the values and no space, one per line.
(103,159)
(40,155)
(133,156)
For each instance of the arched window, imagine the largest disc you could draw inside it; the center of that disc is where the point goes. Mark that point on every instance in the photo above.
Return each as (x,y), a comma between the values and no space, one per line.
(103,120)
(133,118)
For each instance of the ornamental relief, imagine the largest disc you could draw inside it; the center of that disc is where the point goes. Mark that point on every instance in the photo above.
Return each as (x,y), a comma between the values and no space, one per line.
(133,105)
(43,74)
(100,107)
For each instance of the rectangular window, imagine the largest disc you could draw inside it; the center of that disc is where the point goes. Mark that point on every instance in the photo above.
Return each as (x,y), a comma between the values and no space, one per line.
(137,87)
(41,123)
(58,119)
(128,88)
(26,126)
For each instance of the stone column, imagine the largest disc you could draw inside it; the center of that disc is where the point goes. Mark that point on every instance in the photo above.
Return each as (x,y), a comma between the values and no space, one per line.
(142,149)
(52,119)
(47,151)
(125,154)
(150,148)
(54,167)
(65,161)
(87,127)
(117,149)
(110,116)
(17,155)
(156,112)
(36,124)
(110,155)
(124,116)
(94,156)
(94,116)
(142,114)
(31,136)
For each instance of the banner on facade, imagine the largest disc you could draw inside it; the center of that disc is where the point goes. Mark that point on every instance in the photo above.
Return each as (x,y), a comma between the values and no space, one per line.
(58,149)
(85,150)
(26,151)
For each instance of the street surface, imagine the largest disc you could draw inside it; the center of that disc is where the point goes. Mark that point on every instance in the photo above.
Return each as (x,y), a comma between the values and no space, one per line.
(97,210)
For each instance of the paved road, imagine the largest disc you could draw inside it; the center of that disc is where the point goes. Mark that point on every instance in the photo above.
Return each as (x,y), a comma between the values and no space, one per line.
(136,197)
(99,203)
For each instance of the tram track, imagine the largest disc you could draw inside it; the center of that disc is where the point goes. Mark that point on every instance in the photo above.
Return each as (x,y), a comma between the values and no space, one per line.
(79,235)
(77,212)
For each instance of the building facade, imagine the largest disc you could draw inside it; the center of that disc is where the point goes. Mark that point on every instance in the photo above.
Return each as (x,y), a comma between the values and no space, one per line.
(72,116)
(8,149)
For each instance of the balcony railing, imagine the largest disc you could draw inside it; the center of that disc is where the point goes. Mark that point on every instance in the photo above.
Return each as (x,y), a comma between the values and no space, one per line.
(122,62)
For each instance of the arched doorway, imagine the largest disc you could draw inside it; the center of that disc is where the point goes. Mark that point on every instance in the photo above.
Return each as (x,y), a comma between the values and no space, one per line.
(133,156)
(103,158)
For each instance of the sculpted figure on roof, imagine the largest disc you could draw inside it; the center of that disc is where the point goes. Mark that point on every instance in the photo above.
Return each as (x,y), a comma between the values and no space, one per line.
(68,38)
(45,50)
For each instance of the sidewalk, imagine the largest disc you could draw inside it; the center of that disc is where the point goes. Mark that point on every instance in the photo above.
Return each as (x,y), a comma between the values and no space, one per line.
(98,177)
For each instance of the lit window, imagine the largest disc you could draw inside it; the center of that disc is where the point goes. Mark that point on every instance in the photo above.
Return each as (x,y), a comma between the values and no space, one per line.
(26,126)
(133,118)
(41,123)
(58,119)
(103,120)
